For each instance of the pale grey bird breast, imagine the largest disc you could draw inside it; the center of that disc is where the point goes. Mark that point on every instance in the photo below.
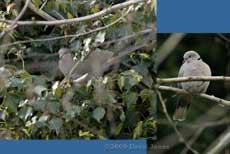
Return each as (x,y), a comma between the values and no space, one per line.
(195,68)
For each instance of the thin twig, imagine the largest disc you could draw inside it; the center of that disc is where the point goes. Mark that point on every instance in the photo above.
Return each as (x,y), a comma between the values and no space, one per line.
(225,121)
(143,32)
(223,37)
(188,131)
(202,128)
(181,138)
(14,22)
(220,143)
(78,19)
(193,78)
(146,31)
(43,5)
(193,139)
(110,24)
(40,12)
(63,37)
(167,47)
(206,96)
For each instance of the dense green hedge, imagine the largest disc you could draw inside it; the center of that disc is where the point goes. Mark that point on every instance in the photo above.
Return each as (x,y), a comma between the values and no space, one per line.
(33,103)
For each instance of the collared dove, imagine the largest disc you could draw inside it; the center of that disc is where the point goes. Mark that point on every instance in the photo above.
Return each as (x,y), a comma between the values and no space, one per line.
(192,66)
(93,65)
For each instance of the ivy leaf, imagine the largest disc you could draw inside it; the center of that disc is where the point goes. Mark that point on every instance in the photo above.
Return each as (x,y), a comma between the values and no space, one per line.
(150,97)
(150,126)
(16,82)
(11,103)
(55,124)
(99,113)
(41,91)
(143,70)
(122,116)
(72,112)
(110,98)
(25,113)
(3,115)
(121,82)
(53,106)
(57,90)
(40,105)
(69,15)
(153,4)
(37,3)
(138,130)
(118,129)
(85,134)
(147,95)
(87,42)
(100,37)
(132,78)
(25,76)
(42,121)
(130,99)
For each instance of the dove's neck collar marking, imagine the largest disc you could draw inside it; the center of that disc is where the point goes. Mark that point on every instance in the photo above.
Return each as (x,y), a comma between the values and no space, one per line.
(191,60)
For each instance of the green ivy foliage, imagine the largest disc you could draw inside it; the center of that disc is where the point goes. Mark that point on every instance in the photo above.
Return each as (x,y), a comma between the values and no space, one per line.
(120,105)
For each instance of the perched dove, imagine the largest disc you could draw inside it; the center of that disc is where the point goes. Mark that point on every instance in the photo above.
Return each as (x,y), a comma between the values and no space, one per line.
(192,66)
(93,65)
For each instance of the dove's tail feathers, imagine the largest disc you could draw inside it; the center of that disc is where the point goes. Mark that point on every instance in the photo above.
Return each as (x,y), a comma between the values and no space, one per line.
(180,113)
(183,104)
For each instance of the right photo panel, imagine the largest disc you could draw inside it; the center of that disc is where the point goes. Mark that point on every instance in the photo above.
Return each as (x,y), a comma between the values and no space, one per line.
(193,93)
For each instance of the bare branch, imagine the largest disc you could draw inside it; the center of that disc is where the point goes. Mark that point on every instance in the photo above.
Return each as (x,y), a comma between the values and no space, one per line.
(223,37)
(187,132)
(193,139)
(181,138)
(193,78)
(79,19)
(41,13)
(220,143)
(181,91)
(14,22)
(168,46)
(109,25)
(201,128)
(143,32)
(214,123)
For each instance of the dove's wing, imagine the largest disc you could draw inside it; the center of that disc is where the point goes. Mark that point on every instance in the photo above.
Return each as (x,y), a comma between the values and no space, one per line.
(183,101)
(202,69)
(93,65)
(180,74)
